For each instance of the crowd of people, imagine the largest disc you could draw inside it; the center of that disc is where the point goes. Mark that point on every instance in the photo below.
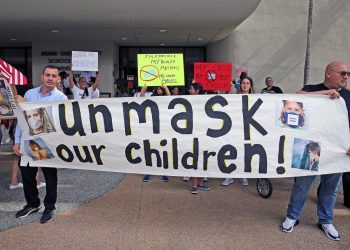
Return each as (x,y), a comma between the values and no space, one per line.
(55,86)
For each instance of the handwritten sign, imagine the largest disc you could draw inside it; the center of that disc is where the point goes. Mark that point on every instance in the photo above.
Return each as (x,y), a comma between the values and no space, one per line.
(84,61)
(204,135)
(160,69)
(213,76)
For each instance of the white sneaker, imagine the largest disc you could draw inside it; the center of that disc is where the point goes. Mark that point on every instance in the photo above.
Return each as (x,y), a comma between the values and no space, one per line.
(227,182)
(41,185)
(19,185)
(329,230)
(288,225)
(245,182)
(186,178)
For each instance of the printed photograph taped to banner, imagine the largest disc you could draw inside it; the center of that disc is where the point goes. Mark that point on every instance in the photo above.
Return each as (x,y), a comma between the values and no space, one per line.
(306,154)
(6,110)
(39,120)
(37,149)
(291,114)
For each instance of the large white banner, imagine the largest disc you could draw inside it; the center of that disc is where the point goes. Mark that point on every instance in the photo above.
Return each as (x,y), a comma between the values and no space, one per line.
(206,135)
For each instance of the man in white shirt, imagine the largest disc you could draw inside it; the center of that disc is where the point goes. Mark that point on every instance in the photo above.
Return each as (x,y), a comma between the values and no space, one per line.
(82,91)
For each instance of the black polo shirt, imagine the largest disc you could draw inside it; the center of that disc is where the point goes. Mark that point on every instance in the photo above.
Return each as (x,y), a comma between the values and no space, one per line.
(273,90)
(344,93)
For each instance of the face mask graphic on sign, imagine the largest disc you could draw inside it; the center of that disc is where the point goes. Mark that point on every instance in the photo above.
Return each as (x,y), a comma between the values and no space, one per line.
(293,120)
(35,122)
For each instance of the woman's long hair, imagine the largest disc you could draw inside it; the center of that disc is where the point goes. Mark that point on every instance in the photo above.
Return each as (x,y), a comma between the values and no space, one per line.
(251,90)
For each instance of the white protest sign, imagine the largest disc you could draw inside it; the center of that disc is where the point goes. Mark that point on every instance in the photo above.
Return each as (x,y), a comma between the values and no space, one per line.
(84,61)
(207,135)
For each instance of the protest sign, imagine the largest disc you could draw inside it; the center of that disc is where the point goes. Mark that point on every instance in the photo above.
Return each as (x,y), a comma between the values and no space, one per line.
(7,102)
(84,61)
(213,76)
(160,69)
(239,71)
(208,135)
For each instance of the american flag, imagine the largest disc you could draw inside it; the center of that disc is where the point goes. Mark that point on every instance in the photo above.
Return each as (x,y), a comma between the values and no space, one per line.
(12,75)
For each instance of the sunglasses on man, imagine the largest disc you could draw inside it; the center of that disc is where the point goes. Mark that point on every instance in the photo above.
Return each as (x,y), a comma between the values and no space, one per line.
(342,73)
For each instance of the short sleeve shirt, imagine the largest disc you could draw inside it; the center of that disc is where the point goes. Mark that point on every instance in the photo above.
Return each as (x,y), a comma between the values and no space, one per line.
(273,90)
(79,93)
(344,93)
(34,95)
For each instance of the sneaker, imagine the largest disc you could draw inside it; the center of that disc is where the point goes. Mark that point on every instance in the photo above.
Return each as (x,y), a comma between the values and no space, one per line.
(164,178)
(47,216)
(147,177)
(205,179)
(204,187)
(186,178)
(41,185)
(329,230)
(288,225)
(245,182)
(19,185)
(227,182)
(194,190)
(26,211)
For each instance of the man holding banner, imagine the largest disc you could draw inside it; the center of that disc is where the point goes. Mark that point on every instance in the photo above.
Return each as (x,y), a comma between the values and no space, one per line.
(45,93)
(334,85)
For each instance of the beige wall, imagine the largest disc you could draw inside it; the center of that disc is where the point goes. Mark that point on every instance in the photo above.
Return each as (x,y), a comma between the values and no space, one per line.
(272,41)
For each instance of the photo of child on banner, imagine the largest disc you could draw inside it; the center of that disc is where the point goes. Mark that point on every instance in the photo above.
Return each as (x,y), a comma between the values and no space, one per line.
(306,154)
(200,134)
(37,149)
(291,114)
(39,120)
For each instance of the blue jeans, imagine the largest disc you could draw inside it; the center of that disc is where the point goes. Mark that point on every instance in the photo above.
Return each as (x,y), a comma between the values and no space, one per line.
(326,199)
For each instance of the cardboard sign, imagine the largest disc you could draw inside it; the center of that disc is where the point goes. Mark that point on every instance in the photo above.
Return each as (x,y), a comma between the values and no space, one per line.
(240,70)
(213,76)
(84,61)
(7,101)
(160,69)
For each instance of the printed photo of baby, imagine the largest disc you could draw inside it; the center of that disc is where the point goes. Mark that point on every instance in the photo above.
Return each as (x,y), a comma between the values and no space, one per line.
(306,154)
(38,149)
(291,114)
(39,120)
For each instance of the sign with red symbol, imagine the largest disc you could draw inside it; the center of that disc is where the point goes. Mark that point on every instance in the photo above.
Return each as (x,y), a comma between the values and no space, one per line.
(213,76)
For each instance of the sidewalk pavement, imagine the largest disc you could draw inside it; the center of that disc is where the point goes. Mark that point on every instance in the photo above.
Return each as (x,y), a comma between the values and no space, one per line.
(157,215)
(75,187)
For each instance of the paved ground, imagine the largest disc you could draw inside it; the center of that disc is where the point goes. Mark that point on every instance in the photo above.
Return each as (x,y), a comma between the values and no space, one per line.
(156,215)
(75,187)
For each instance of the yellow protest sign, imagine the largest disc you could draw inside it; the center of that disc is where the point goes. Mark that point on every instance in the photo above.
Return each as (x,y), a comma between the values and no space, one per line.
(160,69)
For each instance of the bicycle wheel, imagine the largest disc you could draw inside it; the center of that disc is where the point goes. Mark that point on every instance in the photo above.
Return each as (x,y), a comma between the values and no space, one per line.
(264,188)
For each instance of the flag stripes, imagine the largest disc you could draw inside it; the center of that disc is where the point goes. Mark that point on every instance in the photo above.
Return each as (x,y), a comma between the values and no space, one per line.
(11,74)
